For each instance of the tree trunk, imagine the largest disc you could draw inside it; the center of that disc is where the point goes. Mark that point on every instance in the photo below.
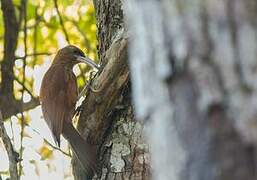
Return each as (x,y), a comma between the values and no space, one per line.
(107,120)
(200,103)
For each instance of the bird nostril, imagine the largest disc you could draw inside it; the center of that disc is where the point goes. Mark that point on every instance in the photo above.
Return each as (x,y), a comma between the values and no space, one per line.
(78,52)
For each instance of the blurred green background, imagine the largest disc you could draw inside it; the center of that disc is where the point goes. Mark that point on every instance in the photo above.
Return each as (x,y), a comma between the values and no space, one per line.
(48,26)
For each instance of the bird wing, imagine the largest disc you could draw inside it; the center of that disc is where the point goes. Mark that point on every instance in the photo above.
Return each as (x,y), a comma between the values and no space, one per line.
(58,99)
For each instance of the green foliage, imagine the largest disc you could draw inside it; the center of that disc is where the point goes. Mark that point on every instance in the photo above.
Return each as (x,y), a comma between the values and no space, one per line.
(45,152)
(44,36)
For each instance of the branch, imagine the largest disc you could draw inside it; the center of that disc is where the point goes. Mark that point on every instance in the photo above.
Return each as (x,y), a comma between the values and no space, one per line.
(34,54)
(56,148)
(82,33)
(12,155)
(23,86)
(35,37)
(11,29)
(61,21)
(24,7)
(17,106)
(50,144)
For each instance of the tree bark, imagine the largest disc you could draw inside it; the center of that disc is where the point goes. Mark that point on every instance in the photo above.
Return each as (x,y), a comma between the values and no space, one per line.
(107,120)
(200,106)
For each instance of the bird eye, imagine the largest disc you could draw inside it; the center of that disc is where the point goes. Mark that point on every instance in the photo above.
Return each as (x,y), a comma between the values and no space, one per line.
(75,51)
(78,52)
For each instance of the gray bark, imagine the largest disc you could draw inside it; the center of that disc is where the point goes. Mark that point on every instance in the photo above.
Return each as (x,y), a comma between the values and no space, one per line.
(193,67)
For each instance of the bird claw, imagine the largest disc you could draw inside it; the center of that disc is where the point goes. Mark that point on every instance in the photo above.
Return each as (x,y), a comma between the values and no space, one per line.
(94,90)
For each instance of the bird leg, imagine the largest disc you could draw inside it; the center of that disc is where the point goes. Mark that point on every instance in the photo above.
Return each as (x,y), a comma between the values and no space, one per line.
(85,91)
(88,86)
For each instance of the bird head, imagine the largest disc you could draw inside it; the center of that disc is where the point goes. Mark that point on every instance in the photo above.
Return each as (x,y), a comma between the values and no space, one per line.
(71,55)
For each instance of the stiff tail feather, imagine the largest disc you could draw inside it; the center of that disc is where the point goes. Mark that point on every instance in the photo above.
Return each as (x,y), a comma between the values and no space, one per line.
(83,151)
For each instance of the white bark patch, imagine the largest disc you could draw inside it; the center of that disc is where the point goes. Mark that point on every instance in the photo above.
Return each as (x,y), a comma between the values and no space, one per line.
(118,150)
(150,67)
(207,84)
(141,159)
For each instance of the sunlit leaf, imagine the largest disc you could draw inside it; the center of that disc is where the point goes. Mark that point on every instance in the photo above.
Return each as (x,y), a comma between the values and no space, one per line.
(45,152)
(26,119)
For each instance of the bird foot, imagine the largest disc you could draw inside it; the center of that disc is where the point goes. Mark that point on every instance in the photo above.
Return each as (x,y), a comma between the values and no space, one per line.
(94,90)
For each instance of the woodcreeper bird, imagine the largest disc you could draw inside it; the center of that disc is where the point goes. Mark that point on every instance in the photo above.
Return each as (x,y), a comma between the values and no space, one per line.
(58,96)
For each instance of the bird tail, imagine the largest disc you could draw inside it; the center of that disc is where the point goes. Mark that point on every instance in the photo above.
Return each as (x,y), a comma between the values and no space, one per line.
(82,150)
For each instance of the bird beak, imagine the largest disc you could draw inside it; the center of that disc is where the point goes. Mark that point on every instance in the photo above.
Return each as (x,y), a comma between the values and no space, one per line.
(88,61)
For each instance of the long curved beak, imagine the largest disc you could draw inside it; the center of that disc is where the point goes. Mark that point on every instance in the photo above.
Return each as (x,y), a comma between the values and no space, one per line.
(88,61)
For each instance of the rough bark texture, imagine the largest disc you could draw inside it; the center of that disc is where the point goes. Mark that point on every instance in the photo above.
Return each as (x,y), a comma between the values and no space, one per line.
(109,18)
(200,107)
(107,119)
